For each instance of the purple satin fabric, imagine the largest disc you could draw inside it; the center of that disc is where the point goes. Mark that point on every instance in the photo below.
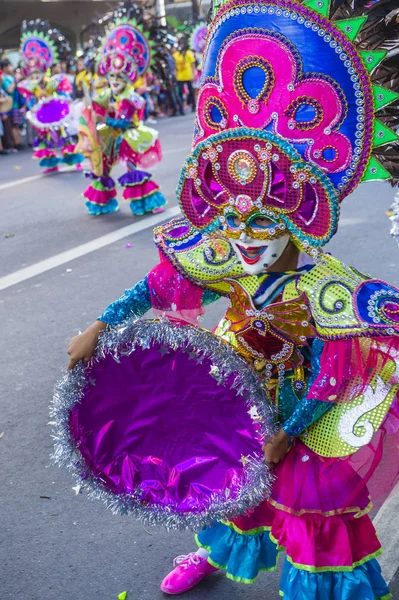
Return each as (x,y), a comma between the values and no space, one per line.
(105,181)
(161,423)
(52,111)
(134,177)
(179,231)
(278,188)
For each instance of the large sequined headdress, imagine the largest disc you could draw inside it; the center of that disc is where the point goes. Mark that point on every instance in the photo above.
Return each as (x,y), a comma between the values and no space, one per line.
(125,50)
(42,45)
(294,111)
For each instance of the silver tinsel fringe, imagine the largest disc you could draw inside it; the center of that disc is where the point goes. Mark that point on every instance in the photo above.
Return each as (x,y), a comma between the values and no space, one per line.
(225,362)
(395,218)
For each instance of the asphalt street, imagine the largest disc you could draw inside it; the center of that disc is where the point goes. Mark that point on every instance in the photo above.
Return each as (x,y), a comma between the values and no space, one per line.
(55,545)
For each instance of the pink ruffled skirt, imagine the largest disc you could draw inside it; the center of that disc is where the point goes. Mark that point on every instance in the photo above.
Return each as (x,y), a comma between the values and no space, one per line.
(317,514)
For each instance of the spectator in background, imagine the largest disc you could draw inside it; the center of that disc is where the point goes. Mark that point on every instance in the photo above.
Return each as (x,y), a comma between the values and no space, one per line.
(142,87)
(174,99)
(14,107)
(70,72)
(56,68)
(2,101)
(82,77)
(63,66)
(185,72)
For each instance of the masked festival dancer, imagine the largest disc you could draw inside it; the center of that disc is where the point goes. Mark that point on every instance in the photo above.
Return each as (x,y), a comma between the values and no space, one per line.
(48,97)
(291,118)
(124,57)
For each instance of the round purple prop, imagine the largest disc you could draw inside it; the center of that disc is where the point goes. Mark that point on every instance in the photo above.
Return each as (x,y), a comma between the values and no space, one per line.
(49,113)
(158,426)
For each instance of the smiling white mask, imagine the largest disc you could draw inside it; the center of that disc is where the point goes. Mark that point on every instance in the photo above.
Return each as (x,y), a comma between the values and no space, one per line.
(117,84)
(257,256)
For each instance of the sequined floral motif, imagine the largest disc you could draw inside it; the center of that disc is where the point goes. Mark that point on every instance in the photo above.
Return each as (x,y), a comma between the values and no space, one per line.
(261,95)
(215,113)
(244,204)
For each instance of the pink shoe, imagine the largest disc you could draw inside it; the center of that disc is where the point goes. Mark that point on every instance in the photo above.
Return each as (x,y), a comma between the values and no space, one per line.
(50,170)
(79,167)
(189,571)
(160,209)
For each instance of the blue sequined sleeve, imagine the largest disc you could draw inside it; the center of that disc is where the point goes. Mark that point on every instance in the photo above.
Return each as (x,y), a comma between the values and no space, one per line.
(134,303)
(308,411)
(137,301)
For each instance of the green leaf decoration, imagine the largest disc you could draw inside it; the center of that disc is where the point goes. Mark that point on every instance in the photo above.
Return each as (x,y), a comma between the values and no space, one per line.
(351,27)
(122,596)
(372,58)
(320,6)
(383,97)
(383,134)
(375,171)
(173,21)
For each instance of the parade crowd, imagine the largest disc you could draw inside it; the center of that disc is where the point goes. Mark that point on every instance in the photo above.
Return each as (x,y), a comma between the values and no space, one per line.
(163,97)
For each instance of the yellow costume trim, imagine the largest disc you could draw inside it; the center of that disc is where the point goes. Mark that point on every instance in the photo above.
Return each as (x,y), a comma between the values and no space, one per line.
(359,512)
(255,531)
(311,569)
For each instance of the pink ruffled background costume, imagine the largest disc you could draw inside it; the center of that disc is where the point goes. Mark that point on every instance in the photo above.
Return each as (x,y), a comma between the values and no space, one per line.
(48,98)
(124,55)
(125,139)
(55,146)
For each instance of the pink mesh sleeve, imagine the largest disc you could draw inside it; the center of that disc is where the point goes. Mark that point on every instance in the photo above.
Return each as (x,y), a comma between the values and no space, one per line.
(174,296)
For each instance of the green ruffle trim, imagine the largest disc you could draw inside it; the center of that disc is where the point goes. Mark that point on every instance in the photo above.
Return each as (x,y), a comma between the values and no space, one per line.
(386,597)
(97,185)
(312,569)
(256,531)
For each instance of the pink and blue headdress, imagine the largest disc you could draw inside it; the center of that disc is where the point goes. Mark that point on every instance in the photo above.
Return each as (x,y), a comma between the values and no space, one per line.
(42,46)
(296,108)
(125,50)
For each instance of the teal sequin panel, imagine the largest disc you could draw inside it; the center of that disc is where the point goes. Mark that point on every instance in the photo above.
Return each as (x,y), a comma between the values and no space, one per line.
(298,414)
(208,296)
